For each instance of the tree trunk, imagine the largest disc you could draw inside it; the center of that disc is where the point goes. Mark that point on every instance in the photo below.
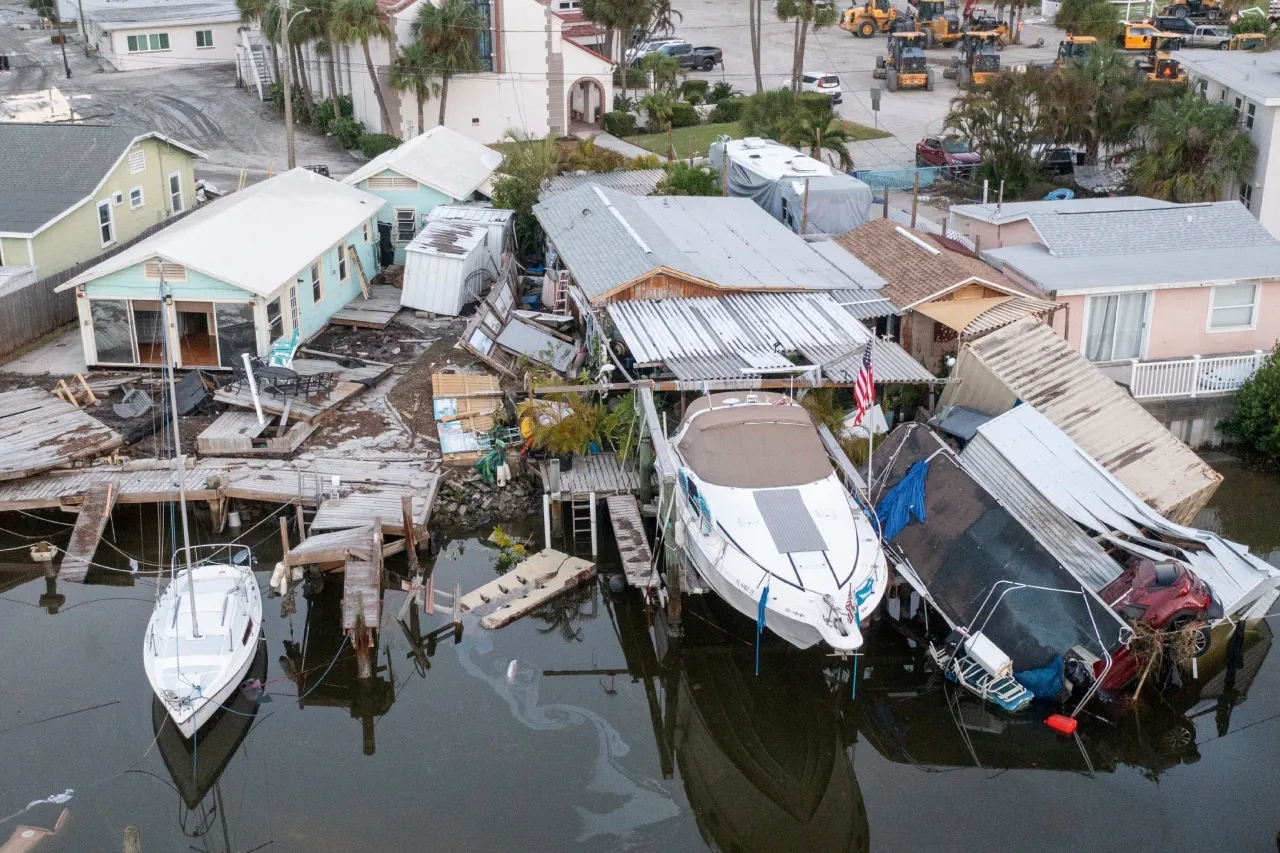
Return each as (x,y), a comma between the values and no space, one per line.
(275,63)
(795,60)
(293,64)
(421,129)
(753,7)
(333,78)
(799,70)
(302,75)
(377,90)
(444,96)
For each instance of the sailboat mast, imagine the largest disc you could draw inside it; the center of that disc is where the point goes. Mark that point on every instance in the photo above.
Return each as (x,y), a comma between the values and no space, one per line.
(165,302)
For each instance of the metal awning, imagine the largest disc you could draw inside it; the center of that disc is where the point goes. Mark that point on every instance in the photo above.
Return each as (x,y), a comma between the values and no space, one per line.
(747,335)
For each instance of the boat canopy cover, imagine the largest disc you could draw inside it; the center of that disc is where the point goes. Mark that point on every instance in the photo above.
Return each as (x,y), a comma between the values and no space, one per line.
(969,545)
(764,446)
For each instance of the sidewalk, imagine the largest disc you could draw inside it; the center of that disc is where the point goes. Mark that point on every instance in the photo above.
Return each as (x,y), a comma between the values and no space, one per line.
(613,143)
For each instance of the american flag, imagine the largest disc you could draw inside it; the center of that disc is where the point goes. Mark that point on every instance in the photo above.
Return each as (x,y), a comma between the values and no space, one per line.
(864,389)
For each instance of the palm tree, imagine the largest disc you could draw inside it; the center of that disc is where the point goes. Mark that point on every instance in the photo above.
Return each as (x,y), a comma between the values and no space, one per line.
(411,72)
(1191,149)
(806,13)
(1095,103)
(821,132)
(1004,120)
(586,156)
(361,21)
(324,15)
(664,18)
(448,32)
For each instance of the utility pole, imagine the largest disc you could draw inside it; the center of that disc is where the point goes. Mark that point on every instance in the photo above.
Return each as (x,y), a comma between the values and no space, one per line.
(288,85)
(84,29)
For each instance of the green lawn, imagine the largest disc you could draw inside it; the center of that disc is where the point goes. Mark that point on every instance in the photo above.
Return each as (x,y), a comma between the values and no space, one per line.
(861,132)
(688,141)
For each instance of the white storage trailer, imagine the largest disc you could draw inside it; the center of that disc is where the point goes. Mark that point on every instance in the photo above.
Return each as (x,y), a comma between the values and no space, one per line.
(501,237)
(446,267)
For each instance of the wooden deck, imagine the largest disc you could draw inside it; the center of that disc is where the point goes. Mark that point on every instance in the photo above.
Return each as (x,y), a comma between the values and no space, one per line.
(94,514)
(375,312)
(312,410)
(362,592)
(598,473)
(238,433)
(39,431)
(530,584)
(317,361)
(633,543)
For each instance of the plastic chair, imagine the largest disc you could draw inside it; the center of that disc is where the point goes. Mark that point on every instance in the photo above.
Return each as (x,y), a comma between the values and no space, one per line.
(282,351)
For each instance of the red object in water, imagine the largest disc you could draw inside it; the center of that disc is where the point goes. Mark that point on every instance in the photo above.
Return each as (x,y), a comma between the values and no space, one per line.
(1061,724)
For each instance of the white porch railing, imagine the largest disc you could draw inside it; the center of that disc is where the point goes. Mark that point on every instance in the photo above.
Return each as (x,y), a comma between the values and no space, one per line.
(1191,377)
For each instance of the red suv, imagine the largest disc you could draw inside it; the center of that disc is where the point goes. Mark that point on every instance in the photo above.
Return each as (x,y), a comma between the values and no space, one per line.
(946,151)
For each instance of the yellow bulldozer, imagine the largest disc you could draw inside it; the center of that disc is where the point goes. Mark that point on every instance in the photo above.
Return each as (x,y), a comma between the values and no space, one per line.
(1159,65)
(873,16)
(979,59)
(935,26)
(904,66)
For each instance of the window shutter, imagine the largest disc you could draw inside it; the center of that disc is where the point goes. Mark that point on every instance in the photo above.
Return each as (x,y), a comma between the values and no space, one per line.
(172,272)
(392,182)
(137,161)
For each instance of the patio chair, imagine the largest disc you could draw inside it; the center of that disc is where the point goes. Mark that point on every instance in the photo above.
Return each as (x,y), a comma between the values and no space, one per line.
(136,403)
(282,351)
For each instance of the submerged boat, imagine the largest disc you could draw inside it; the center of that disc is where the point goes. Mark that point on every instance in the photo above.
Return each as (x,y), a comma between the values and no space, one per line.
(761,514)
(203,634)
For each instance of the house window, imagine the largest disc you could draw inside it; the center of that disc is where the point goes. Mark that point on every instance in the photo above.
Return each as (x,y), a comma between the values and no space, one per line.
(484,37)
(137,161)
(1246,195)
(148,42)
(366,232)
(1233,306)
(204,38)
(106,223)
(342,263)
(1249,114)
(1239,103)
(1117,326)
(317,291)
(117,197)
(294,313)
(136,198)
(175,192)
(275,321)
(406,220)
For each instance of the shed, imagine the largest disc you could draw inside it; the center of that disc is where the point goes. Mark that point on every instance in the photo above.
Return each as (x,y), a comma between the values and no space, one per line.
(14,278)
(500,237)
(445,267)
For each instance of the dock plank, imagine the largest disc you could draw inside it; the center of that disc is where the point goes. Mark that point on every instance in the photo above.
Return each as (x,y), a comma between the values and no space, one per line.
(312,410)
(39,431)
(633,543)
(94,514)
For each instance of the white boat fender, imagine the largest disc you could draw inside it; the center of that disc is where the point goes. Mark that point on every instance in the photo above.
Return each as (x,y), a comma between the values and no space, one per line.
(233,519)
(279,579)
(298,573)
(512,669)
(680,533)
(989,656)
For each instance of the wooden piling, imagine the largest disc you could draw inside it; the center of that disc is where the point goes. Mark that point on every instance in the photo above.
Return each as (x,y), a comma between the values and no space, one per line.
(284,534)
(362,640)
(410,543)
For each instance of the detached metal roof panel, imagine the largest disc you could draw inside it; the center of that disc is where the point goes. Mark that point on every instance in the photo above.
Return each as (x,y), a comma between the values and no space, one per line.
(1001,214)
(864,304)
(1040,368)
(447,238)
(470,213)
(632,182)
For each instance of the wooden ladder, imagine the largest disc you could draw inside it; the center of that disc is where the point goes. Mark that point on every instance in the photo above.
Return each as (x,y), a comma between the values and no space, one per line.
(355,259)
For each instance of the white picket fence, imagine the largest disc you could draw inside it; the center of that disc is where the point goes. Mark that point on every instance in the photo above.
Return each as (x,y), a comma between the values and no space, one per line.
(1191,377)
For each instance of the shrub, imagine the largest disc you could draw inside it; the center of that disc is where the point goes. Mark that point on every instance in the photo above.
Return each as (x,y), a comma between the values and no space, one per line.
(1089,18)
(695,91)
(1251,22)
(683,179)
(619,123)
(684,115)
(818,104)
(347,131)
(373,144)
(721,91)
(1257,418)
(322,113)
(645,161)
(636,79)
(727,110)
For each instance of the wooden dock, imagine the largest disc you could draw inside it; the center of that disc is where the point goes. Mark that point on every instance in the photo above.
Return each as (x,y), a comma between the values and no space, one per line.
(362,601)
(633,543)
(94,514)
(598,474)
(374,312)
(313,410)
(238,433)
(39,431)
(530,584)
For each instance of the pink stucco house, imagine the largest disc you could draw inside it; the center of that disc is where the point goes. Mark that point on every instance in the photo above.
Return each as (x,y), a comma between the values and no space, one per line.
(1174,299)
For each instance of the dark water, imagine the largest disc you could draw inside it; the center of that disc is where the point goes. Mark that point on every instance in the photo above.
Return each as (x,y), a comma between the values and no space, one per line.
(563,732)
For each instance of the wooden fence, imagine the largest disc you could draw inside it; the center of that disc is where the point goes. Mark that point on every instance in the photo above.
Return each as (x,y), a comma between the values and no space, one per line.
(35,310)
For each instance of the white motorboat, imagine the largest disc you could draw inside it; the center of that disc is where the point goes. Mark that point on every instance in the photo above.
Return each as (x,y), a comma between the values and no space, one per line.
(760,508)
(195,665)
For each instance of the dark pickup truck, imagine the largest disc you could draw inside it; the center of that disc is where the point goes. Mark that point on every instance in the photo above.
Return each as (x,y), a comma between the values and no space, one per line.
(704,58)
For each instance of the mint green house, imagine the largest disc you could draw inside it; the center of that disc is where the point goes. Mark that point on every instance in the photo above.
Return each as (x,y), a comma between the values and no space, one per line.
(233,277)
(439,167)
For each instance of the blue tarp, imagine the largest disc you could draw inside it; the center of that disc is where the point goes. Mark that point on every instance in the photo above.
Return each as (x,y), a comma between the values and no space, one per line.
(903,501)
(1045,682)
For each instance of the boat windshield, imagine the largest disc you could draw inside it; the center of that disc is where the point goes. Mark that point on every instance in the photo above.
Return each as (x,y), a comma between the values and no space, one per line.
(755,447)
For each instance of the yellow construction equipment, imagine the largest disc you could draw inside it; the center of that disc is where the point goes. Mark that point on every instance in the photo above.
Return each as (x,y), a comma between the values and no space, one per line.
(1138,36)
(1075,48)
(1246,41)
(873,16)
(1159,65)
(979,59)
(935,25)
(1207,9)
(904,66)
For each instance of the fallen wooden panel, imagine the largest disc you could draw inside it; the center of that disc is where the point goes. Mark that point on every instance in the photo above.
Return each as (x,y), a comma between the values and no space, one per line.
(542,577)
(313,410)
(332,547)
(360,585)
(464,385)
(367,373)
(375,312)
(94,514)
(39,431)
(239,433)
(67,488)
(633,544)
(359,510)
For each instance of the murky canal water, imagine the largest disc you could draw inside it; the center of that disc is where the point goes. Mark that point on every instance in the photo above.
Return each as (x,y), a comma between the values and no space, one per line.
(563,732)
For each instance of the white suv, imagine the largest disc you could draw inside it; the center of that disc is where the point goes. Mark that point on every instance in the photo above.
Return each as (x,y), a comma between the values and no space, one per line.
(819,81)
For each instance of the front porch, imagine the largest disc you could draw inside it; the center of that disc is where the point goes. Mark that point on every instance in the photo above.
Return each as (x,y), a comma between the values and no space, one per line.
(1185,377)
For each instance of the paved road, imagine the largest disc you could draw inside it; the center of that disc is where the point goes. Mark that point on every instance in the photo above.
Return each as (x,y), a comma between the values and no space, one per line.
(200,106)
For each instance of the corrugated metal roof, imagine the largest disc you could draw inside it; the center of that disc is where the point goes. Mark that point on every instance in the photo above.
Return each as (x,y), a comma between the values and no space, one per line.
(448,239)
(1214,225)
(470,213)
(1002,214)
(1009,312)
(729,337)
(1040,368)
(864,304)
(1032,465)
(608,238)
(631,182)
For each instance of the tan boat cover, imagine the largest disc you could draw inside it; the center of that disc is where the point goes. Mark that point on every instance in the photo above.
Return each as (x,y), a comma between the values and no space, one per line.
(753,446)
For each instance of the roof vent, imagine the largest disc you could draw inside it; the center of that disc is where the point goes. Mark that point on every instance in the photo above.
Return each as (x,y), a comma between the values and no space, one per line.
(753,142)
(804,164)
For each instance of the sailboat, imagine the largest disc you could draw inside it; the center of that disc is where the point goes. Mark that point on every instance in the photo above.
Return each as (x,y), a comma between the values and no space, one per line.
(203,634)
(766,523)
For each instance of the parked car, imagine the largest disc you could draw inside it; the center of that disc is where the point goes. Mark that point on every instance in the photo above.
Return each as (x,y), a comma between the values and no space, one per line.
(1210,35)
(819,81)
(635,54)
(1056,159)
(704,58)
(1177,26)
(949,151)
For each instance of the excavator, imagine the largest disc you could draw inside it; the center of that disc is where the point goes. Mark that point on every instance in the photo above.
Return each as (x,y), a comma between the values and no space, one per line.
(979,59)
(873,16)
(904,66)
